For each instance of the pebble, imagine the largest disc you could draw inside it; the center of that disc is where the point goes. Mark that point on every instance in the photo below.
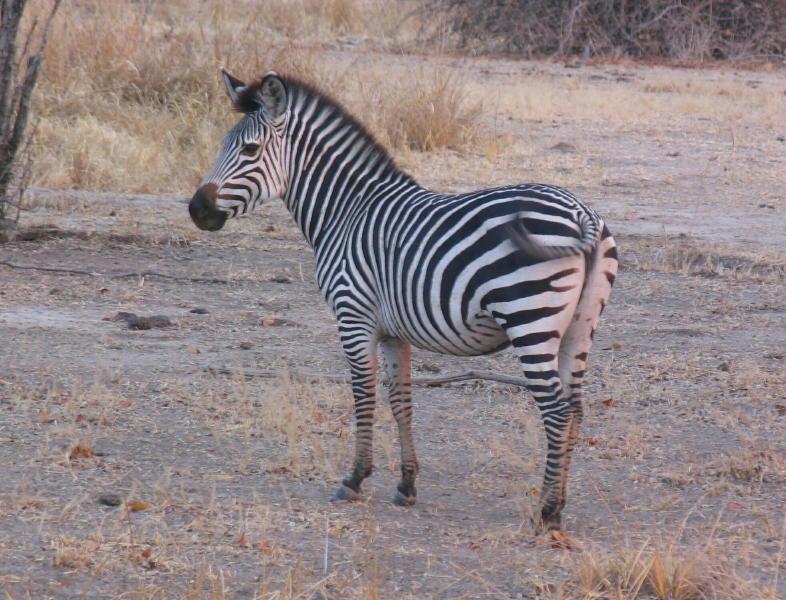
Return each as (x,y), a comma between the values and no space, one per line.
(110,500)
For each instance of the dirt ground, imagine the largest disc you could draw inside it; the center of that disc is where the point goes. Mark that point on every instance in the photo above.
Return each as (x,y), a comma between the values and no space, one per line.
(129,470)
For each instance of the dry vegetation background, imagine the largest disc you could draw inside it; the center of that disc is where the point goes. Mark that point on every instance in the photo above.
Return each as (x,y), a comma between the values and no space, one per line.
(220,483)
(689,32)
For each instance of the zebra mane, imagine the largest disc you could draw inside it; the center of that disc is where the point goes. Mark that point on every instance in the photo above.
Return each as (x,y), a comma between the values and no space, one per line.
(248,102)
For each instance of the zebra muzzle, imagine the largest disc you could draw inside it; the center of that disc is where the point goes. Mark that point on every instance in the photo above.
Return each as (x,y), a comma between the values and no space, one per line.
(203,210)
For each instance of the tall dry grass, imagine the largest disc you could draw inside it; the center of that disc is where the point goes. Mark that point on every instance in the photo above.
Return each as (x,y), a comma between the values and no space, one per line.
(130,98)
(658,572)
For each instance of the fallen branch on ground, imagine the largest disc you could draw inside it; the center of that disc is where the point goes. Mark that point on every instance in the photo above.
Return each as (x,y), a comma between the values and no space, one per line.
(311,377)
(115,275)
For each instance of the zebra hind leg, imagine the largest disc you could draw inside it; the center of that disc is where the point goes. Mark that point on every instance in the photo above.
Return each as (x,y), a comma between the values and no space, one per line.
(362,358)
(537,352)
(577,340)
(397,359)
(543,382)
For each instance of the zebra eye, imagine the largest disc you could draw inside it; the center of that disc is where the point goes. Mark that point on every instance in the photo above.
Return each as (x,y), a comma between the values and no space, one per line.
(249,149)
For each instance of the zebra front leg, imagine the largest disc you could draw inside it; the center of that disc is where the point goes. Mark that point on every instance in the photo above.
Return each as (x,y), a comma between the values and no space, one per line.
(362,357)
(398,369)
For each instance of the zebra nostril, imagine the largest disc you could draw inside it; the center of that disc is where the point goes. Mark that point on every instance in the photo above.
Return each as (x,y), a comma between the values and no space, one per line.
(203,211)
(205,197)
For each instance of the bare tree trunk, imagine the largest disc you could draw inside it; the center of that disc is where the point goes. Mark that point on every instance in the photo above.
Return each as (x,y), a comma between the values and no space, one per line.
(20,66)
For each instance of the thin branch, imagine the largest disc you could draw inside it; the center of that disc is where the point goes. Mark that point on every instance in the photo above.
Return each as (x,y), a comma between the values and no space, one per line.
(312,377)
(10,18)
(16,97)
(115,275)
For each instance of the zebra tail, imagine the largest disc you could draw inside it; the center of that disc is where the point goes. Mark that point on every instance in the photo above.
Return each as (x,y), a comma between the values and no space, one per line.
(586,244)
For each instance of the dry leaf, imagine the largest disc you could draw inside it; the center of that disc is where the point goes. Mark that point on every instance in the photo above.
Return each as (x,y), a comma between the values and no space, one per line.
(609,402)
(193,350)
(473,546)
(137,505)
(80,452)
(534,491)
(146,553)
(616,346)
(560,540)
(591,441)
(781,409)
(276,322)
(243,541)
(265,547)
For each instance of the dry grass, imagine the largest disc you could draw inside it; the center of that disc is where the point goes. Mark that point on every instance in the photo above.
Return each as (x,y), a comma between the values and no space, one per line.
(753,466)
(690,257)
(430,110)
(307,422)
(115,73)
(657,573)
(655,95)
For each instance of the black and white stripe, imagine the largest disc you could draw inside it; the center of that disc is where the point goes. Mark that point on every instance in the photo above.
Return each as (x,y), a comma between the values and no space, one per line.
(528,266)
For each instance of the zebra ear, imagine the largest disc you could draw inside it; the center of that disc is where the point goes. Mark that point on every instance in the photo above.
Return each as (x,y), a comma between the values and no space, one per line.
(273,95)
(234,86)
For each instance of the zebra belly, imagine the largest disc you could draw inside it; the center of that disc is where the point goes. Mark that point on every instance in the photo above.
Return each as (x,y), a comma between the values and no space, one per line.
(481,335)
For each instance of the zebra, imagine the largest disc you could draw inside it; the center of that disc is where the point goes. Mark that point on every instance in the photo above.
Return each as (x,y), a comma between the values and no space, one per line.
(529,266)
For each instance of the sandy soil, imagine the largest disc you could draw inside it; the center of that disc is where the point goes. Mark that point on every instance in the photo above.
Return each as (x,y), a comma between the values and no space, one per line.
(683,446)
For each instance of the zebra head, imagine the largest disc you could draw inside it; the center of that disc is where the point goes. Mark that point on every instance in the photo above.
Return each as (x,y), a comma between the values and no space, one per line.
(249,168)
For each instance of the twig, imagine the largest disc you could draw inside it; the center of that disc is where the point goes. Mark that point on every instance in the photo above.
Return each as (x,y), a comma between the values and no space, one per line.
(115,275)
(311,377)
(327,545)
(130,525)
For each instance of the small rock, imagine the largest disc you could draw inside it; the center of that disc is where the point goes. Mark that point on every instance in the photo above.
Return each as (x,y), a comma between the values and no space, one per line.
(781,138)
(121,316)
(564,147)
(430,367)
(673,154)
(144,323)
(724,366)
(54,291)
(281,279)
(246,345)
(110,499)
(199,311)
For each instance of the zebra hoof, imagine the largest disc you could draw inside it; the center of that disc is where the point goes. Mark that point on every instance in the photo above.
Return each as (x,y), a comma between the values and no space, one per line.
(345,494)
(547,523)
(401,500)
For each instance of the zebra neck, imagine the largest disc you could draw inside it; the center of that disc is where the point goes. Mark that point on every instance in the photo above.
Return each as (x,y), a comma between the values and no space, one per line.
(336,173)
